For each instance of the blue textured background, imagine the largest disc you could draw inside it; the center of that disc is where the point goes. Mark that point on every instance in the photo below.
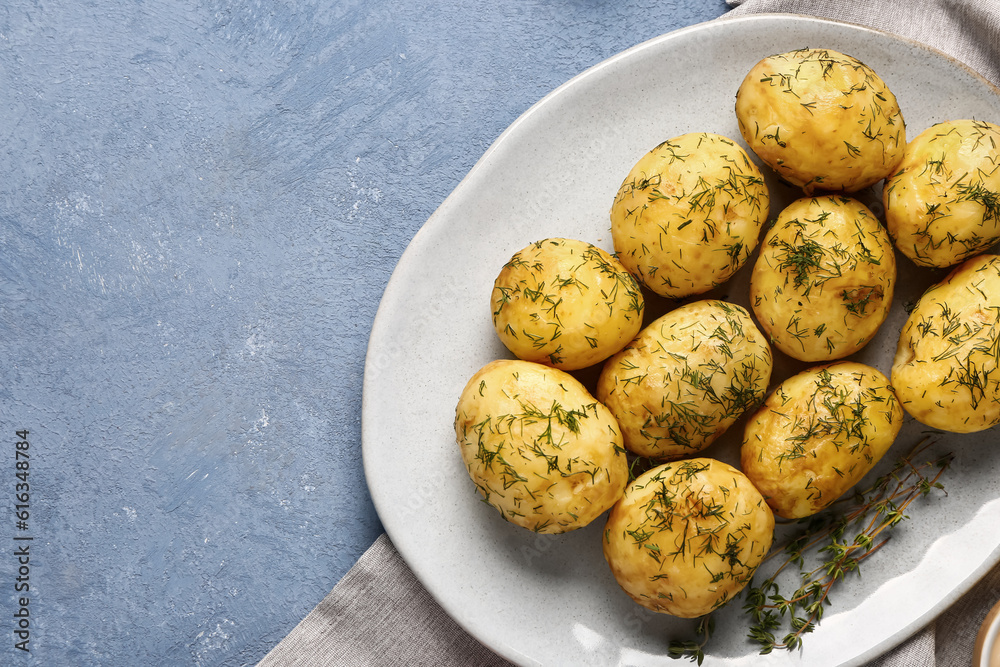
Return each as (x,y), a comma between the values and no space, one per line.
(200,205)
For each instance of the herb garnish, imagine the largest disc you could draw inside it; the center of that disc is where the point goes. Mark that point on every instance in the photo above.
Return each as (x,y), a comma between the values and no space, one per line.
(840,542)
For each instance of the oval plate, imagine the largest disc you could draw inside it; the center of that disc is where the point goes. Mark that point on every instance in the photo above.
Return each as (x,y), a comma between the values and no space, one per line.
(551,600)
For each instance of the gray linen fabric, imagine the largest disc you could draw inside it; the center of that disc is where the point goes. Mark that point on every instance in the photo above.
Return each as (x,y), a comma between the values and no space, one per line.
(967,30)
(956,629)
(379,614)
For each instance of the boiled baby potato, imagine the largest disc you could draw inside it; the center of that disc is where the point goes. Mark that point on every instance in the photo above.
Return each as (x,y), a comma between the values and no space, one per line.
(538,446)
(686,378)
(942,204)
(822,120)
(687,536)
(823,282)
(689,214)
(818,434)
(565,303)
(946,367)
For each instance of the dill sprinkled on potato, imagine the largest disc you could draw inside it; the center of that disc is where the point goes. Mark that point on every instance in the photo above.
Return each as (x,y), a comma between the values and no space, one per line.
(943,201)
(686,378)
(784,113)
(565,303)
(689,213)
(823,282)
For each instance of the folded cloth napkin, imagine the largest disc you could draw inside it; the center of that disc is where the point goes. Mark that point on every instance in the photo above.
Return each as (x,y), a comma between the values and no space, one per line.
(379,614)
(967,30)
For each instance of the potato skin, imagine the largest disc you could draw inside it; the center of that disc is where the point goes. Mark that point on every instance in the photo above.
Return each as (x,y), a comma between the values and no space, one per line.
(565,303)
(817,434)
(822,120)
(942,203)
(686,378)
(538,446)
(946,366)
(687,536)
(689,214)
(823,282)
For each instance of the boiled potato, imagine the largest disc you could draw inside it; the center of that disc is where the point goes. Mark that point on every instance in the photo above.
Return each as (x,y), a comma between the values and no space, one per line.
(689,214)
(538,446)
(686,378)
(946,367)
(687,536)
(942,204)
(823,282)
(817,434)
(822,120)
(565,303)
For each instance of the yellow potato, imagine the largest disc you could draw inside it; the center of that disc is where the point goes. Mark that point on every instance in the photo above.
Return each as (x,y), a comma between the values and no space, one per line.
(946,367)
(823,282)
(687,536)
(822,120)
(818,434)
(565,303)
(689,214)
(686,378)
(538,446)
(942,204)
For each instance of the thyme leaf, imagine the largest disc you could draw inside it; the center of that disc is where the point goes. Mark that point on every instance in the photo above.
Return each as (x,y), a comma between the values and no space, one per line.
(829,547)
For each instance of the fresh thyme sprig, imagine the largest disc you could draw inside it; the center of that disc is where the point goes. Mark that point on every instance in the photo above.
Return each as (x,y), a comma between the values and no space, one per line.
(694,649)
(841,540)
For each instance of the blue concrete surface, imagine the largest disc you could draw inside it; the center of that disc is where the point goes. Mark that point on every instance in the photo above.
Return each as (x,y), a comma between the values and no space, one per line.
(200,205)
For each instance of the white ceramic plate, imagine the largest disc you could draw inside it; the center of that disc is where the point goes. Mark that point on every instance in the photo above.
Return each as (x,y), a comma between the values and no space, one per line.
(551,600)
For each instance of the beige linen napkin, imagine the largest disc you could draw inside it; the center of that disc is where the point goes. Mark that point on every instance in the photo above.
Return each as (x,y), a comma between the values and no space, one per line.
(379,614)
(967,30)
